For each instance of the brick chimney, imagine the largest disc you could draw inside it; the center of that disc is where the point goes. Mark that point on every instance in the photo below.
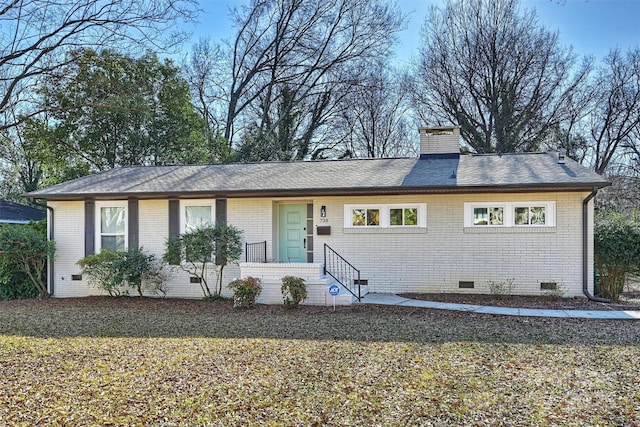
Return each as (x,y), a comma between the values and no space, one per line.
(440,142)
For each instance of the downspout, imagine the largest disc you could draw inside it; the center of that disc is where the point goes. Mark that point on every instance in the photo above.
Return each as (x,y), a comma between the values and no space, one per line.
(51,236)
(585,248)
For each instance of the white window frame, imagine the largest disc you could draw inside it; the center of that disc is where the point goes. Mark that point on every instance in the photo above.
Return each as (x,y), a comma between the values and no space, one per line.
(509,213)
(469,214)
(549,215)
(98,221)
(385,215)
(195,202)
(380,209)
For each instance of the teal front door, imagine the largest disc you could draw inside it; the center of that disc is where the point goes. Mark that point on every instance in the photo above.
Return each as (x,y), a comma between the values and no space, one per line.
(293,233)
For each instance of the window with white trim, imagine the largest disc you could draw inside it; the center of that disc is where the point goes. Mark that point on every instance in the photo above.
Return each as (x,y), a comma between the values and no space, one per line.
(385,216)
(488,215)
(111,227)
(530,215)
(403,216)
(365,217)
(195,214)
(510,214)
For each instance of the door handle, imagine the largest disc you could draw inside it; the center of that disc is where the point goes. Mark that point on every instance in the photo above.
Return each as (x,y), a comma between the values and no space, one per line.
(304,243)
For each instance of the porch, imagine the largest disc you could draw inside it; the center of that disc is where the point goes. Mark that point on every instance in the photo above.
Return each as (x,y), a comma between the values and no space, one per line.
(318,283)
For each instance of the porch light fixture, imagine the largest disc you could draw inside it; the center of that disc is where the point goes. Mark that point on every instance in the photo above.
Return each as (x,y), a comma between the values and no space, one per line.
(323,211)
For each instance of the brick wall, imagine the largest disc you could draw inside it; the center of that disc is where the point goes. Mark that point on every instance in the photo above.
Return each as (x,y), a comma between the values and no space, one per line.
(447,253)
(69,238)
(434,259)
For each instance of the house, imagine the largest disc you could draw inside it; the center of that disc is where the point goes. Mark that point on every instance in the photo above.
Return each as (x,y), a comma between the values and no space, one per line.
(14,213)
(443,222)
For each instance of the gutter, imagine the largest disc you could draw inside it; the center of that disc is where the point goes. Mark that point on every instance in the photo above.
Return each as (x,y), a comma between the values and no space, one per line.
(320,192)
(585,248)
(51,270)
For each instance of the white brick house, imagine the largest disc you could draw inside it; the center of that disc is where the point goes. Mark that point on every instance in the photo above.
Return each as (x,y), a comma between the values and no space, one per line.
(443,222)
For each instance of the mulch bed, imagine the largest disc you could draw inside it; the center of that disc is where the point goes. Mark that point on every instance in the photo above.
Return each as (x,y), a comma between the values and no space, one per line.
(628,301)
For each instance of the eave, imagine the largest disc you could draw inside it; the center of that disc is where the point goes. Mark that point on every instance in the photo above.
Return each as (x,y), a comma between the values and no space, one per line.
(329,192)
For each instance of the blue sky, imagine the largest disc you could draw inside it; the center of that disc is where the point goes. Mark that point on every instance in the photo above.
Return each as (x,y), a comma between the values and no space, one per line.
(592,27)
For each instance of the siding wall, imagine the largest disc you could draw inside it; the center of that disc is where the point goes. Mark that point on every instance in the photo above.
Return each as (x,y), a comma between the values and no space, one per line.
(391,260)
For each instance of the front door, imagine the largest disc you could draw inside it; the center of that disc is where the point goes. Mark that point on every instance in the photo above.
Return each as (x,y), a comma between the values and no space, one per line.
(293,233)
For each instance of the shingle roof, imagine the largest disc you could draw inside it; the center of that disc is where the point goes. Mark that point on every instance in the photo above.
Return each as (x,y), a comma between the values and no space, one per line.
(333,177)
(14,213)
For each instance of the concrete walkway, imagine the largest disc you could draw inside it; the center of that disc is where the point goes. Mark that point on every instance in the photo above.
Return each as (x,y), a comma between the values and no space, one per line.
(391,299)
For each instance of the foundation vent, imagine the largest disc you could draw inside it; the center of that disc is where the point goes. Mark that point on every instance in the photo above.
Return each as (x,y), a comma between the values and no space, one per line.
(548,286)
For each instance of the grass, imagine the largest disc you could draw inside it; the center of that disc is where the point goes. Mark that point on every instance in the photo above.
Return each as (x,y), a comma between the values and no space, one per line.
(129,361)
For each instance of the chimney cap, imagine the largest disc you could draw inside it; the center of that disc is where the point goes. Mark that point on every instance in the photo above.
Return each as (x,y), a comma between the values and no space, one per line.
(438,129)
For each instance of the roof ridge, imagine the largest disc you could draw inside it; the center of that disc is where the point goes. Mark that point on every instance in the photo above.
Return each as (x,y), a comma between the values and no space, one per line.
(509,154)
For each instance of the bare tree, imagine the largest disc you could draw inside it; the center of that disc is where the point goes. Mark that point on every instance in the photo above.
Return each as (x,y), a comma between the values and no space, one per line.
(377,121)
(295,60)
(614,129)
(204,71)
(615,120)
(36,34)
(494,70)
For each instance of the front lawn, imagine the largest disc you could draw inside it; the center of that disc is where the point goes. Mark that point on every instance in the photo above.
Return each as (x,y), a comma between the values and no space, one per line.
(129,361)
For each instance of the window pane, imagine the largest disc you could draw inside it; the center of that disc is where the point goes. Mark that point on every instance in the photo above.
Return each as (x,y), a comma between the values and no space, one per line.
(496,216)
(373,216)
(480,216)
(411,216)
(113,243)
(395,216)
(196,217)
(522,216)
(358,217)
(538,215)
(112,220)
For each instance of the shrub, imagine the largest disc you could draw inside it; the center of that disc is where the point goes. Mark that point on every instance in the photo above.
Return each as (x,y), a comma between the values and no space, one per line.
(101,272)
(113,271)
(15,285)
(194,251)
(617,250)
(294,291)
(245,291)
(556,293)
(502,288)
(24,251)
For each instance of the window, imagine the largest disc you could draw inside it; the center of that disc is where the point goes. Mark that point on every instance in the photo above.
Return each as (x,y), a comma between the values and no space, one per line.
(111,230)
(386,216)
(488,216)
(196,214)
(196,217)
(403,216)
(510,214)
(530,215)
(366,217)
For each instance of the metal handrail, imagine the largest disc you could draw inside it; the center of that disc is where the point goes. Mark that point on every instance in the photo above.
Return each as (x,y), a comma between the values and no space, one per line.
(341,270)
(255,252)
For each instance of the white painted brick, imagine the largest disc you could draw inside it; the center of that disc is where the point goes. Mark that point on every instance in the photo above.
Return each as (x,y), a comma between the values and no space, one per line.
(434,261)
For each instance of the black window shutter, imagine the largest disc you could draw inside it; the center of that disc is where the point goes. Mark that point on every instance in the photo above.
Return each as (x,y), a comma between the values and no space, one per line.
(133,224)
(221,219)
(174,219)
(89,227)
